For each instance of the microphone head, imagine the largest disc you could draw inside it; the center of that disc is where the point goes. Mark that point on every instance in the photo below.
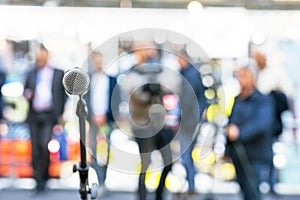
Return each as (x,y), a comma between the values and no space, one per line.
(76,81)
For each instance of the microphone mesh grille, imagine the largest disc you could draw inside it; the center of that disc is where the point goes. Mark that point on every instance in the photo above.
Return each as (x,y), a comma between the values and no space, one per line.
(76,81)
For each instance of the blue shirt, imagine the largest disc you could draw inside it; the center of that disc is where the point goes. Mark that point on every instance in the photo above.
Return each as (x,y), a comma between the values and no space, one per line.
(194,84)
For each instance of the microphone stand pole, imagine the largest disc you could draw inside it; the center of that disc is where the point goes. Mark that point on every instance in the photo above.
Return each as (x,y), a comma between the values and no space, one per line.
(83,167)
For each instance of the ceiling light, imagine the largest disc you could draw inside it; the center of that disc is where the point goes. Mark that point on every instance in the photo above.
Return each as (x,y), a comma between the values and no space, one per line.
(195,8)
(258,38)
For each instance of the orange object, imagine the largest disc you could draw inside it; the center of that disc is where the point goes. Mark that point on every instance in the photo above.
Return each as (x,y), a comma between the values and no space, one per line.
(73,151)
(54,169)
(5,170)
(23,171)
(5,151)
(22,151)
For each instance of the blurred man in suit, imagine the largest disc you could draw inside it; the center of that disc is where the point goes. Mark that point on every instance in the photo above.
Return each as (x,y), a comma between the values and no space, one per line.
(102,98)
(47,97)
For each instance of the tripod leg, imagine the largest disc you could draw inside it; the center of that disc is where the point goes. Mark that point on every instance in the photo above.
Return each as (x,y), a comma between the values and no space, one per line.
(161,186)
(142,188)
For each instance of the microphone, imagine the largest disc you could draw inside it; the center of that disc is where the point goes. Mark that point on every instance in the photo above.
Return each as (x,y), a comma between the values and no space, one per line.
(76,81)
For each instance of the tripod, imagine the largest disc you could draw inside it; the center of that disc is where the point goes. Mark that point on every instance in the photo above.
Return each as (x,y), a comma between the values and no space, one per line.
(83,167)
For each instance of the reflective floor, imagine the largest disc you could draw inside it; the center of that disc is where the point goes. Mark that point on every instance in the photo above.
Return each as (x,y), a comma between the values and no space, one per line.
(57,189)
(17,194)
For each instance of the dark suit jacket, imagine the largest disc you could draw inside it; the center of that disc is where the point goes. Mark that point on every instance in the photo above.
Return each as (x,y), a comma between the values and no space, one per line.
(2,80)
(58,93)
(192,99)
(114,100)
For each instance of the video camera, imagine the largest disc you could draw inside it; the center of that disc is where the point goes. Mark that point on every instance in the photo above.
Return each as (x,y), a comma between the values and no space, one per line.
(150,71)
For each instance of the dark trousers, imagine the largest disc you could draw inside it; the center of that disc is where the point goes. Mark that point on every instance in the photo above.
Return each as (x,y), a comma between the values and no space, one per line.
(273,173)
(160,141)
(188,163)
(249,173)
(40,132)
(100,166)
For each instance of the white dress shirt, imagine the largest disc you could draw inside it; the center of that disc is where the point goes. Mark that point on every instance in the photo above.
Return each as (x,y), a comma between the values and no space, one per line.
(43,91)
(99,93)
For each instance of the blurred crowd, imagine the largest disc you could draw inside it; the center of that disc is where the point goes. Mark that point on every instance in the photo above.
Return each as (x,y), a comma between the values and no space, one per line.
(169,101)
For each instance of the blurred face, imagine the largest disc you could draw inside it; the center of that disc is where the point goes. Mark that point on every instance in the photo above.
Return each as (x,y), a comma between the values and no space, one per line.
(144,51)
(182,62)
(141,55)
(41,58)
(151,52)
(97,62)
(261,60)
(246,79)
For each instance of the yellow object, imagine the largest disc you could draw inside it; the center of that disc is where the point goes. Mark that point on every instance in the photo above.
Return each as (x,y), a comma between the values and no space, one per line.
(174,183)
(152,179)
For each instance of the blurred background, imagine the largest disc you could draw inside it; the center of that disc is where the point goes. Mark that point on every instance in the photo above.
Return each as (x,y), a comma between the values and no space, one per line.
(226,30)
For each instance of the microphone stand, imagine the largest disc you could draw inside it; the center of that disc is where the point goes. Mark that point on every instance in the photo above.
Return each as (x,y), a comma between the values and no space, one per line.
(83,167)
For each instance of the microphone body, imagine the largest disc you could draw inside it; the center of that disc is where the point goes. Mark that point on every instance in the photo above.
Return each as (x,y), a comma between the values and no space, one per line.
(77,82)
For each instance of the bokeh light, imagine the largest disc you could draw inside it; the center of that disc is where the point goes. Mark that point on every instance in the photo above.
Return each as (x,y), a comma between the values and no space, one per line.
(258,38)
(195,8)
(53,146)
(13,89)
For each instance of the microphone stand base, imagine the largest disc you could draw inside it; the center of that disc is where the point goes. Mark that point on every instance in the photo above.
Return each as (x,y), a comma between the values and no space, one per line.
(84,189)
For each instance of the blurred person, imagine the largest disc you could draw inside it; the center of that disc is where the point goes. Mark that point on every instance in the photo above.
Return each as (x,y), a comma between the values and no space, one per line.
(46,95)
(271,78)
(2,81)
(100,114)
(249,135)
(193,110)
(274,81)
(146,83)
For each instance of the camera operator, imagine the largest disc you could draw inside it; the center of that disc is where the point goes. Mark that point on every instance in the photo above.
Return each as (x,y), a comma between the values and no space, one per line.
(146,83)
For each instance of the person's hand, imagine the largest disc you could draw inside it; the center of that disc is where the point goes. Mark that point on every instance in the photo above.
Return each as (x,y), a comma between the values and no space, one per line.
(233,132)
(28,94)
(99,120)
(61,120)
